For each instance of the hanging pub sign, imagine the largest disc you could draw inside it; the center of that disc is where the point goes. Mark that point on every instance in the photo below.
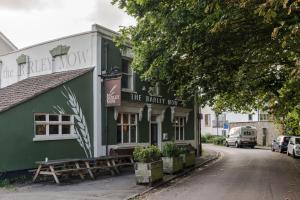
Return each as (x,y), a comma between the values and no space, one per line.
(113,92)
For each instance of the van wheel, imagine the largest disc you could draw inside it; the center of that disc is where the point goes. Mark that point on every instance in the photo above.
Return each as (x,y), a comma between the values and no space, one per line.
(237,145)
(252,147)
(288,153)
(226,144)
(294,155)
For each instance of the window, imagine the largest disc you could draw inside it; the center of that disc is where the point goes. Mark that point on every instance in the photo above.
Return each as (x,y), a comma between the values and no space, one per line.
(127,75)
(127,128)
(250,117)
(207,120)
(53,126)
(264,117)
(179,128)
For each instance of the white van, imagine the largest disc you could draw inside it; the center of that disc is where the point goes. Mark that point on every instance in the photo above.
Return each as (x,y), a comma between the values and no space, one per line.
(242,136)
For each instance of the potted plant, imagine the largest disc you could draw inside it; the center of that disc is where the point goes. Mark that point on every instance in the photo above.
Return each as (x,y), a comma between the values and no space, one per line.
(172,162)
(148,166)
(187,153)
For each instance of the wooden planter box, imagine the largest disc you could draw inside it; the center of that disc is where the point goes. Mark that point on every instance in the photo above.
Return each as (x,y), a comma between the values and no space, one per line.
(172,165)
(188,159)
(148,172)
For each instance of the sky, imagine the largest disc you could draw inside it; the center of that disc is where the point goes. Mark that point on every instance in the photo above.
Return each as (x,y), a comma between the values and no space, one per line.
(28,22)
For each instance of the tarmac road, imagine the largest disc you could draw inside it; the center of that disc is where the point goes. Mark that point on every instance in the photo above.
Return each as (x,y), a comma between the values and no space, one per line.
(241,174)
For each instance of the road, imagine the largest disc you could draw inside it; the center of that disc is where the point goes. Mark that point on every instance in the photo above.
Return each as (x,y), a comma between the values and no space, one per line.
(241,174)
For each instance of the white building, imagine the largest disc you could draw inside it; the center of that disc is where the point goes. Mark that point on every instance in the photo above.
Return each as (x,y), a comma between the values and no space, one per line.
(220,125)
(6,45)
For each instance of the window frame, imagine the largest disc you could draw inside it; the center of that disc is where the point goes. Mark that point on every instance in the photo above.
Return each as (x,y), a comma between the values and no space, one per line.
(181,124)
(208,124)
(60,123)
(129,75)
(129,124)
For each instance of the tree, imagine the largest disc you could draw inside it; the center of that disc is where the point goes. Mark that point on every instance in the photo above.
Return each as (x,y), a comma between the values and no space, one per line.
(243,54)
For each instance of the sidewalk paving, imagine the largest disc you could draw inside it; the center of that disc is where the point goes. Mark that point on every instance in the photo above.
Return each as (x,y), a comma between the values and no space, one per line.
(105,187)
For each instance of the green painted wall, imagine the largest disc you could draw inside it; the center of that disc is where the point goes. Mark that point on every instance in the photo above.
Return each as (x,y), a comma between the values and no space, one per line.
(111,57)
(18,151)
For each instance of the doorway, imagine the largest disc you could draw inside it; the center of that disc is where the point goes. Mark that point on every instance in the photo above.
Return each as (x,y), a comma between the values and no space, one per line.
(264,137)
(154,133)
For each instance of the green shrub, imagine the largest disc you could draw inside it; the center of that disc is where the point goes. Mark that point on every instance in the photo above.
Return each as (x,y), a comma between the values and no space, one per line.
(4,183)
(171,150)
(215,139)
(186,149)
(148,154)
(218,140)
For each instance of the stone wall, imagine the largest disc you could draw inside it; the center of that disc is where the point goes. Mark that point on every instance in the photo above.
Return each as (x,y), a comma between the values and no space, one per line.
(271,131)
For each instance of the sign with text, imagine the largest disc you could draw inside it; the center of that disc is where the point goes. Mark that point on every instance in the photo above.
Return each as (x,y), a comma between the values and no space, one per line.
(113,92)
(153,99)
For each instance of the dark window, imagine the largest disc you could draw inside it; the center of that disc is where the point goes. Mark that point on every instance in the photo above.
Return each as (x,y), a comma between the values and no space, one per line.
(53,129)
(40,129)
(66,129)
(66,118)
(53,118)
(40,117)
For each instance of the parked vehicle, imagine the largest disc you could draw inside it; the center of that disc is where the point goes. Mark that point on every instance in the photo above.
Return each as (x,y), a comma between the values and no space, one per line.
(294,146)
(281,143)
(242,136)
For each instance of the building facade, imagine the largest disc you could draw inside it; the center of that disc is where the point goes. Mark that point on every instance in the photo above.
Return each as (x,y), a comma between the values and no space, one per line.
(54,103)
(214,124)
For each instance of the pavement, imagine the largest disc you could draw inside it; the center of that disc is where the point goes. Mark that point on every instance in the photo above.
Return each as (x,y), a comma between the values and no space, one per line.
(241,174)
(105,187)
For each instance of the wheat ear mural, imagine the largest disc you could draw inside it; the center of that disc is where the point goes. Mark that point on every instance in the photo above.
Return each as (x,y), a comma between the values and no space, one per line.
(80,125)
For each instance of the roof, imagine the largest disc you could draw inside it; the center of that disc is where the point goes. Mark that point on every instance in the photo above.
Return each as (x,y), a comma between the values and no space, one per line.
(29,88)
(8,42)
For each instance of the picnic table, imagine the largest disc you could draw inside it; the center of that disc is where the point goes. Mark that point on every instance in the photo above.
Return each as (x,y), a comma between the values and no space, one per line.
(81,167)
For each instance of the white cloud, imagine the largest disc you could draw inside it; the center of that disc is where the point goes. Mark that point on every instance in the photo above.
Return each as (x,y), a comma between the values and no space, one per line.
(56,18)
(110,15)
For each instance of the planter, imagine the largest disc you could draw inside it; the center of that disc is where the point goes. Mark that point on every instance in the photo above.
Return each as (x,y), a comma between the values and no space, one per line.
(148,172)
(189,159)
(172,165)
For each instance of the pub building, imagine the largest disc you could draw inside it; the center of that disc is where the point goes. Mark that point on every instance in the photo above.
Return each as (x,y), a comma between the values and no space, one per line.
(77,96)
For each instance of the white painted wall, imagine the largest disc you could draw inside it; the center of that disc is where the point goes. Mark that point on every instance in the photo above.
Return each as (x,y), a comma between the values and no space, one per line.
(5,45)
(40,62)
(230,117)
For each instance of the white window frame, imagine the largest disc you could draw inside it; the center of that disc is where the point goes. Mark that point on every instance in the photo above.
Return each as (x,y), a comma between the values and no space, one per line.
(264,117)
(181,135)
(129,127)
(47,122)
(208,124)
(130,77)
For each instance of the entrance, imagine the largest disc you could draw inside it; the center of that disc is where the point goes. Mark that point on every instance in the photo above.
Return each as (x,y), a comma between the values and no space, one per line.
(154,130)
(154,134)
(264,136)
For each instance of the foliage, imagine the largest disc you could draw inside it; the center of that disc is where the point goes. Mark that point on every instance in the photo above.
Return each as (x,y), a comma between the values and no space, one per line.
(186,149)
(243,54)
(4,183)
(170,149)
(215,139)
(292,122)
(147,155)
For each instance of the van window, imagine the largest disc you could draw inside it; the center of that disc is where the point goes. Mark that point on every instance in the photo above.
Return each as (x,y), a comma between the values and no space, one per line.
(297,140)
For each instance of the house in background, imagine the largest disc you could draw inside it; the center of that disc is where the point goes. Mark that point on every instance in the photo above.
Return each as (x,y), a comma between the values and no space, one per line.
(214,124)
(56,102)
(6,45)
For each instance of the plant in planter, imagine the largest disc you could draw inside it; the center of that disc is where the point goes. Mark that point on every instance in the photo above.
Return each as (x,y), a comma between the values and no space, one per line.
(148,166)
(172,162)
(187,153)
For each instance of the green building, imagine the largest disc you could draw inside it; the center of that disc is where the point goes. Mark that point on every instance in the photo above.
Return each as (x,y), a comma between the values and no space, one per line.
(54,103)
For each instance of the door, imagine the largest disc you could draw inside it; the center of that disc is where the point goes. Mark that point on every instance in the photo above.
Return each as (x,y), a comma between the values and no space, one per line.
(154,134)
(264,137)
